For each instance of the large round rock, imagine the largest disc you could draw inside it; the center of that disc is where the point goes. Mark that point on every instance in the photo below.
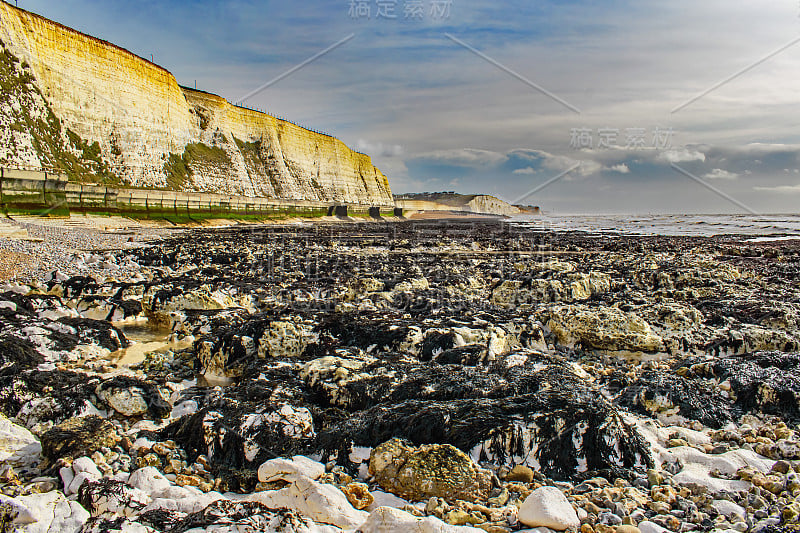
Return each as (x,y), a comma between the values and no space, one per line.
(548,507)
(439,470)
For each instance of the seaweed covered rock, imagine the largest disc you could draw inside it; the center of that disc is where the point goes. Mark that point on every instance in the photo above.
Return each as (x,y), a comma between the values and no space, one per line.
(761,382)
(602,328)
(97,332)
(359,382)
(235,345)
(108,308)
(17,355)
(239,436)
(47,397)
(432,470)
(50,397)
(112,498)
(232,515)
(720,390)
(72,287)
(562,435)
(38,328)
(526,407)
(129,396)
(659,393)
(161,301)
(77,437)
(562,285)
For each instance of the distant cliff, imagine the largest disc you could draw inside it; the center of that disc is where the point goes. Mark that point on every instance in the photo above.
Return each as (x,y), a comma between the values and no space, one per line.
(441,201)
(103,114)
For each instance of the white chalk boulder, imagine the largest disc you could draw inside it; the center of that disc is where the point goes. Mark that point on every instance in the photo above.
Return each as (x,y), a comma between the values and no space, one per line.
(150,481)
(52,513)
(386,499)
(290,469)
(17,444)
(323,503)
(548,507)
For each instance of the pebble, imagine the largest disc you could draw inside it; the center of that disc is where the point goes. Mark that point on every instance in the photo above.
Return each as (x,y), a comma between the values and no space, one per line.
(521,473)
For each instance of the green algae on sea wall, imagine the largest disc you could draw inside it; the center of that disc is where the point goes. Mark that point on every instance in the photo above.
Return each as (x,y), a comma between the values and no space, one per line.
(31,192)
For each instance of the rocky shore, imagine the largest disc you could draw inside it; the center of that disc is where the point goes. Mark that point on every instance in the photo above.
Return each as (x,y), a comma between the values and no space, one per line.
(425,376)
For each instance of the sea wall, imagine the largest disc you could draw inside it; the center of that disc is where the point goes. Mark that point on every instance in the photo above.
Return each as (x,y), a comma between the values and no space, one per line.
(151,132)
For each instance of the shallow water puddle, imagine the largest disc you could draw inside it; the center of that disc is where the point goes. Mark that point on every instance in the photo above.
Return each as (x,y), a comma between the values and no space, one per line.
(145,340)
(143,332)
(136,353)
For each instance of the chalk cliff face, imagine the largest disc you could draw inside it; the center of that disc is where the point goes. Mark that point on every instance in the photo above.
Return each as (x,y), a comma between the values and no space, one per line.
(483,203)
(108,115)
(272,157)
(471,203)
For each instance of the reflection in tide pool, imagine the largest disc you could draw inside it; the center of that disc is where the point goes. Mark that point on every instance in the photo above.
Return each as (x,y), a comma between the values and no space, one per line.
(144,340)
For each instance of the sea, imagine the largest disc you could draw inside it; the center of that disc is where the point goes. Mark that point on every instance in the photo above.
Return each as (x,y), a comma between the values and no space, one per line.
(755,228)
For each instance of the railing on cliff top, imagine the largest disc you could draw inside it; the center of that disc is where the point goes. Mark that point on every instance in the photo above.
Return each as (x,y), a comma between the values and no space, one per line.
(278,117)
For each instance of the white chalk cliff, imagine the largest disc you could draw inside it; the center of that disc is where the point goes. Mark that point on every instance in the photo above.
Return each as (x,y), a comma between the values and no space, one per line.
(103,114)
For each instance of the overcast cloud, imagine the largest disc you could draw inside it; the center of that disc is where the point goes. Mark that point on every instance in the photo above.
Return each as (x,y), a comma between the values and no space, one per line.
(435,116)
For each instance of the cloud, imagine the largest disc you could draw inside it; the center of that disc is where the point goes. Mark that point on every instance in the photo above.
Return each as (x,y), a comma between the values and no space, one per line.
(379,149)
(556,162)
(525,171)
(464,157)
(719,174)
(792,189)
(681,156)
(622,168)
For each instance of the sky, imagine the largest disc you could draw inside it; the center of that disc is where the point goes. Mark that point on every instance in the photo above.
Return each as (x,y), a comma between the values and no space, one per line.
(578,106)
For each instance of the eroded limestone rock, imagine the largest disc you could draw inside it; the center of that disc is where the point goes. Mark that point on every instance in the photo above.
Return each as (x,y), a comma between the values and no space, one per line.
(433,470)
